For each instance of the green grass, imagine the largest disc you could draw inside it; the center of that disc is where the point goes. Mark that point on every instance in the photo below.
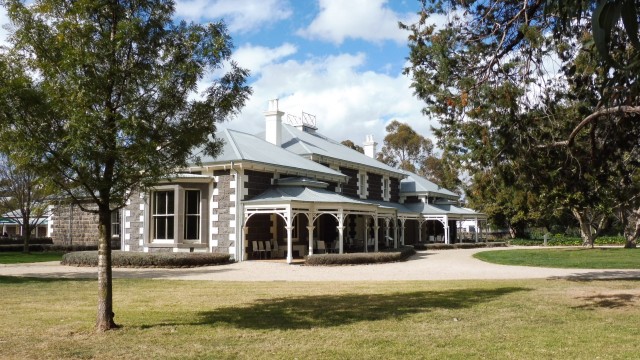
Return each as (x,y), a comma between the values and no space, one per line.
(574,258)
(515,319)
(19,258)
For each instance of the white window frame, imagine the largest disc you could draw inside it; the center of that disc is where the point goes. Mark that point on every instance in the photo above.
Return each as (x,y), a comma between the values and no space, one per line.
(386,188)
(362,181)
(116,222)
(168,216)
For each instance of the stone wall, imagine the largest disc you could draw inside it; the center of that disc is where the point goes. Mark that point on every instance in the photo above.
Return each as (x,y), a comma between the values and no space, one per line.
(133,218)
(224,212)
(72,226)
(394,190)
(374,186)
(256,182)
(351,187)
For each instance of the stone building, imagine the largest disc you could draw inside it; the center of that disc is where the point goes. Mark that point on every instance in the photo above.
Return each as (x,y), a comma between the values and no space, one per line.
(287,192)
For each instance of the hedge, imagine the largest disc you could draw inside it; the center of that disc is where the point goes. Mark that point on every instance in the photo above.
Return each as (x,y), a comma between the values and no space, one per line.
(387,256)
(441,246)
(20,241)
(569,241)
(147,260)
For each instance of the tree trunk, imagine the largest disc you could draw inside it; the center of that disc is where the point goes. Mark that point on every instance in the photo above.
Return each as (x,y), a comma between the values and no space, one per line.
(585,227)
(105,299)
(26,233)
(632,233)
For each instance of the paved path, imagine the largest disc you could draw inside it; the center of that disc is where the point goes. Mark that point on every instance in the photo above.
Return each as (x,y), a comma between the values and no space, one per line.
(426,265)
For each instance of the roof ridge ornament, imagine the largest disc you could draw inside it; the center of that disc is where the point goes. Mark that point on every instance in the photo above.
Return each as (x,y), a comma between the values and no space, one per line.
(305,122)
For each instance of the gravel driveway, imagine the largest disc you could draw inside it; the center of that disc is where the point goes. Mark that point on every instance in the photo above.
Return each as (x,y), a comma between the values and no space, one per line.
(425,265)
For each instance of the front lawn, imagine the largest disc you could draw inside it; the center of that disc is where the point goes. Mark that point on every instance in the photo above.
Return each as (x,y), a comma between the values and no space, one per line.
(572,258)
(19,258)
(161,319)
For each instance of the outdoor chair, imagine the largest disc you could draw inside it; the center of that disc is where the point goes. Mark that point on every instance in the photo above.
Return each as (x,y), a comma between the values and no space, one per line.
(321,247)
(254,249)
(275,249)
(267,249)
(261,249)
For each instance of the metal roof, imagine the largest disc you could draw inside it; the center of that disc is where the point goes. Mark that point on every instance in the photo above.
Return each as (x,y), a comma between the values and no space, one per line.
(308,144)
(281,194)
(443,209)
(416,184)
(239,146)
(458,210)
(401,208)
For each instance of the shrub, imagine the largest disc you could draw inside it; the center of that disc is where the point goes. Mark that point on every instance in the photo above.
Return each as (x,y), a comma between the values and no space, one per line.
(20,241)
(561,240)
(439,246)
(47,247)
(386,256)
(146,260)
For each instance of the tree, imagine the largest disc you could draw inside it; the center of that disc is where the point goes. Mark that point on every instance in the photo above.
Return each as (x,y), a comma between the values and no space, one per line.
(24,193)
(103,97)
(484,76)
(441,170)
(350,144)
(403,147)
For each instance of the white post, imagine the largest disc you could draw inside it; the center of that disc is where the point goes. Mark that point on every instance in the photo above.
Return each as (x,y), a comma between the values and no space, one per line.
(477,229)
(289,244)
(341,231)
(447,239)
(386,231)
(310,229)
(375,233)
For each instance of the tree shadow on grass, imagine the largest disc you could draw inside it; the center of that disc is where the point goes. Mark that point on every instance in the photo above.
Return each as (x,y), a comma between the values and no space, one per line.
(609,301)
(303,312)
(603,275)
(6,280)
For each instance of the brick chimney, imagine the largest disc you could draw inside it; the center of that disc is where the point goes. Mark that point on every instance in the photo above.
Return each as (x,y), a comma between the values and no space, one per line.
(273,120)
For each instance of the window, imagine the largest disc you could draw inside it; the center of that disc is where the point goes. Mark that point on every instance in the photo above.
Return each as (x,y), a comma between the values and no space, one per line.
(163,211)
(363,184)
(192,215)
(385,191)
(115,223)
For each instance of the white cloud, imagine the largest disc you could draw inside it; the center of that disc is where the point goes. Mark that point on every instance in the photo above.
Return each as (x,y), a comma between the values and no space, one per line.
(239,15)
(255,58)
(348,103)
(370,20)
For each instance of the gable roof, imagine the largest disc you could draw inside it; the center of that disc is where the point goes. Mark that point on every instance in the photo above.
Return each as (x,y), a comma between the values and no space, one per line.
(415,184)
(242,147)
(317,145)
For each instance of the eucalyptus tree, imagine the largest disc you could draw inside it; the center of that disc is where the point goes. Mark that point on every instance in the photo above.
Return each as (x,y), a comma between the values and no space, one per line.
(351,145)
(404,147)
(103,97)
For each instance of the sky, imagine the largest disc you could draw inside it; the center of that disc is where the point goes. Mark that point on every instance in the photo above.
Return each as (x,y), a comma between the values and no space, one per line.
(340,60)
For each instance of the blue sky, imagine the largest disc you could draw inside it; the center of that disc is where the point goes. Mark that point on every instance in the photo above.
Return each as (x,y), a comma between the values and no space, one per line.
(340,60)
